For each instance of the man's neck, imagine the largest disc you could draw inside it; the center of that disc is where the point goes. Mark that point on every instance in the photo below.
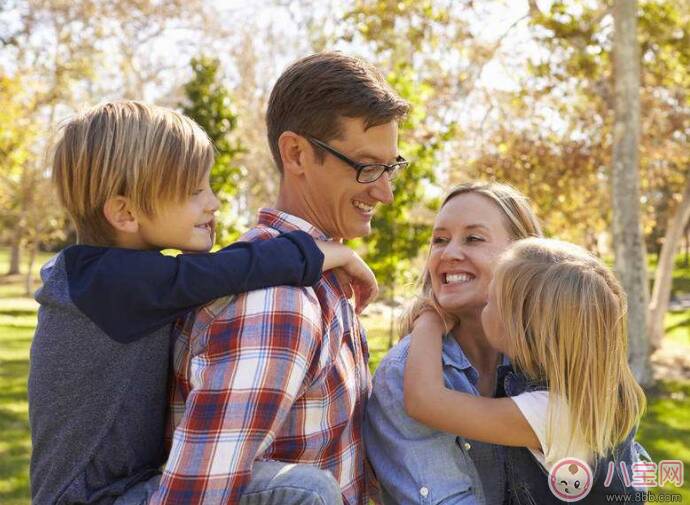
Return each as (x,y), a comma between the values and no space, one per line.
(294,203)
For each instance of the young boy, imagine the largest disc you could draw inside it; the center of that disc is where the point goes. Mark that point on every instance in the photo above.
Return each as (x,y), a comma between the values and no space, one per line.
(135,179)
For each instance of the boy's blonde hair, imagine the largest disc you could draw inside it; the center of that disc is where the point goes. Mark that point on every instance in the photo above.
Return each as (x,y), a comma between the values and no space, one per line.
(519,220)
(564,313)
(151,155)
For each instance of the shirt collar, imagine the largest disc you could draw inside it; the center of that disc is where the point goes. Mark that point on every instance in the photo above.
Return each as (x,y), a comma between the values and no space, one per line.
(284,222)
(454,356)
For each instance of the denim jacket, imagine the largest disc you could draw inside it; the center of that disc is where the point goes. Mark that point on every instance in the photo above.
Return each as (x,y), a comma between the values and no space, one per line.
(419,465)
(528,481)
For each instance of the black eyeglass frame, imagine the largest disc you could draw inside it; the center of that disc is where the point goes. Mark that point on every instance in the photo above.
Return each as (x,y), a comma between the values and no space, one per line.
(392,169)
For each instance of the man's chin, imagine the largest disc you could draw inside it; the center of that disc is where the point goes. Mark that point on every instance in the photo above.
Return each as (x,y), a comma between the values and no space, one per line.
(360,231)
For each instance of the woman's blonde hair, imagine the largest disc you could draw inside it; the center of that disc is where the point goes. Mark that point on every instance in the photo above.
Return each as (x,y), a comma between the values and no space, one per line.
(520,222)
(564,314)
(151,155)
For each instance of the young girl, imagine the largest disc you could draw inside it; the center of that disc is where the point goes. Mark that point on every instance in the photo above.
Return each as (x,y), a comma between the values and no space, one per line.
(559,314)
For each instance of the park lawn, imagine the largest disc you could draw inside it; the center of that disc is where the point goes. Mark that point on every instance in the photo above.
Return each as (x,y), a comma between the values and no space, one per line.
(665,429)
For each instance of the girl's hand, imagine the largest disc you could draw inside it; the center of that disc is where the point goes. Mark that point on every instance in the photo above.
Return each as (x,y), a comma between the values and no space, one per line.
(360,279)
(430,322)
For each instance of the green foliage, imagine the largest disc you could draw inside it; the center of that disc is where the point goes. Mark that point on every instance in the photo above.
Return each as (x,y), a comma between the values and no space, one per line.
(664,429)
(397,30)
(208,102)
(578,65)
(398,232)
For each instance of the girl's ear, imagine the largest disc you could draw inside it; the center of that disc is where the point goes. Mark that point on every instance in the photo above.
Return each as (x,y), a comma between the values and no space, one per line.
(120,214)
(292,152)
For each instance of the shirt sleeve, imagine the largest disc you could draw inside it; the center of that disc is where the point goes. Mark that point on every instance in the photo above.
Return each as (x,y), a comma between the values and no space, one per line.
(255,359)
(130,293)
(534,406)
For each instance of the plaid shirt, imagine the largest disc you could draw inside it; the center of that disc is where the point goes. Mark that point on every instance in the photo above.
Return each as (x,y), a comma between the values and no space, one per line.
(273,374)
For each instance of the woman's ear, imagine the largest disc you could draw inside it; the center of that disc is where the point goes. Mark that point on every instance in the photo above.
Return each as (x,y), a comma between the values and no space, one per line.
(120,214)
(291,147)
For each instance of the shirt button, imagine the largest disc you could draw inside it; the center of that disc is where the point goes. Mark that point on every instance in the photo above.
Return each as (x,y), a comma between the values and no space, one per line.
(467,446)
(424,492)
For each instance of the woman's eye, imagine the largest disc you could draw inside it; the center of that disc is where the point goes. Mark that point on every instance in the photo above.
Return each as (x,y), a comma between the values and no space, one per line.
(438,240)
(474,238)
(198,192)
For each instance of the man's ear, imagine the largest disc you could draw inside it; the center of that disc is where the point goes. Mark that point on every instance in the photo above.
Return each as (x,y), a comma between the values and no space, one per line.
(120,214)
(292,152)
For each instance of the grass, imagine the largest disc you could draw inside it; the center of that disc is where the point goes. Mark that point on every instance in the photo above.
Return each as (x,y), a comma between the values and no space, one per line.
(665,429)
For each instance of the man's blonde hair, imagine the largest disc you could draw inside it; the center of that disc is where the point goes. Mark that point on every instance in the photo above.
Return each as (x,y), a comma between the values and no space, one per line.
(151,155)
(519,220)
(564,314)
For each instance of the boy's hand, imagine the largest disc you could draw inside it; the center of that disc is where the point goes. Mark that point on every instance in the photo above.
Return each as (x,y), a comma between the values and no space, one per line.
(363,282)
(360,279)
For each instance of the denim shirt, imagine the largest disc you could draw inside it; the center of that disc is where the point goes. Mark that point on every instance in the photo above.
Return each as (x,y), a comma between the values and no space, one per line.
(416,464)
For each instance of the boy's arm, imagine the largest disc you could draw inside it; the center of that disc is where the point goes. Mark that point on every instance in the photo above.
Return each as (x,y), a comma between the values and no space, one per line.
(130,293)
(493,420)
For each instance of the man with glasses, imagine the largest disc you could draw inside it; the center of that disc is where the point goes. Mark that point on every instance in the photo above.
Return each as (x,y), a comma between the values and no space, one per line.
(271,386)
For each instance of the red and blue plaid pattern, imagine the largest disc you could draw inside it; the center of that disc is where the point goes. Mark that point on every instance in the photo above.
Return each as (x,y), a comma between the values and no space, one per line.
(277,374)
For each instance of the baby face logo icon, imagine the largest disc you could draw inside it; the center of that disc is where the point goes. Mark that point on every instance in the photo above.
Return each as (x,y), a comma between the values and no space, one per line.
(570,479)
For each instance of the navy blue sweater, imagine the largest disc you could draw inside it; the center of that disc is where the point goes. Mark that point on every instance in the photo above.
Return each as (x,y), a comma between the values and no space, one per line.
(101,352)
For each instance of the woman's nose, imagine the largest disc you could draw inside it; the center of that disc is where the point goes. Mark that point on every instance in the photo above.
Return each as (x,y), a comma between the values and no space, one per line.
(453,251)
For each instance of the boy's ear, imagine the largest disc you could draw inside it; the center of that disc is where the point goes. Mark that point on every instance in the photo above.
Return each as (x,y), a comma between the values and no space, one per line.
(120,214)
(292,152)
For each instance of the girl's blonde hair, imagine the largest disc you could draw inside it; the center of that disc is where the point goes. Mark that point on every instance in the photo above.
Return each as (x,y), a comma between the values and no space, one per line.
(151,155)
(519,219)
(564,314)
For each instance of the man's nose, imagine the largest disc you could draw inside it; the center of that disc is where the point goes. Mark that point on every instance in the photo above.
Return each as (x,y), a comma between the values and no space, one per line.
(383,189)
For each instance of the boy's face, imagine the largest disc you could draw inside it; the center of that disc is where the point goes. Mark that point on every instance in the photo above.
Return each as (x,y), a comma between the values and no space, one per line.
(188,226)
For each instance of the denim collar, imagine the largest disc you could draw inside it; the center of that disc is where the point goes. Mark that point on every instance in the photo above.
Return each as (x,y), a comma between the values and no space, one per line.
(453,356)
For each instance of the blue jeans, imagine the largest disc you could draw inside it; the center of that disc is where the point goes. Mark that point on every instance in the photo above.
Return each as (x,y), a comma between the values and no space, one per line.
(140,493)
(278,483)
(272,483)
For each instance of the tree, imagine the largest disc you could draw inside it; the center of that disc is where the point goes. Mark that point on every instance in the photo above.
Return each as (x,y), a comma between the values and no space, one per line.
(208,103)
(629,246)
(397,31)
(16,157)
(577,64)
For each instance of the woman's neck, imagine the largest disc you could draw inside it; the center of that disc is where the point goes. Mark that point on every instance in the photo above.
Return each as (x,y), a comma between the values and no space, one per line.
(470,335)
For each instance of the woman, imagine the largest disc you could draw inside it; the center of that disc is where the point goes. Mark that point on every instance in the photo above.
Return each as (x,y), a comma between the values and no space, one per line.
(571,413)
(413,463)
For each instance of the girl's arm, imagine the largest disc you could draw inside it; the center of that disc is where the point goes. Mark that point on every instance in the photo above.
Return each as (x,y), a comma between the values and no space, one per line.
(492,420)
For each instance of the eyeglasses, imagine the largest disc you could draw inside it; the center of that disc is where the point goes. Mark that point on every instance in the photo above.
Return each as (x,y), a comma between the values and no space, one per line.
(366,172)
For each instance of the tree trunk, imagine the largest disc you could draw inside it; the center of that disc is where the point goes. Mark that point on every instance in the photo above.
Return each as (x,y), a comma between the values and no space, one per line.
(664,273)
(15,253)
(29,280)
(686,261)
(629,248)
